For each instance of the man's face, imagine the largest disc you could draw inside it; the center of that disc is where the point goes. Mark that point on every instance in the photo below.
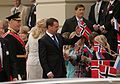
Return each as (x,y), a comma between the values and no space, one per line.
(54,28)
(16,2)
(16,25)
(80,12)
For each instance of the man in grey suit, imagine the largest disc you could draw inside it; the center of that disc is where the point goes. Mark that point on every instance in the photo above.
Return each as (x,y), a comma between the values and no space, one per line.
(18,7)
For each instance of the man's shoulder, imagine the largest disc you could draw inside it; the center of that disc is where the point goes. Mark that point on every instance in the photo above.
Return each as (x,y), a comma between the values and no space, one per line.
(23,7)
(72,18)
(44,37)
(10,37)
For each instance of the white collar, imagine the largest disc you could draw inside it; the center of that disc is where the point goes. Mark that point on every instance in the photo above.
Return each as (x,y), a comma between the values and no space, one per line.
(18,7)
(112,2)
(79,19)
(49,34)
(99,2)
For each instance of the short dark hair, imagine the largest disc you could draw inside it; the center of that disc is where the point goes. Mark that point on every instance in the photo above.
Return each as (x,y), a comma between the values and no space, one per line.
(50,21)
(79,6)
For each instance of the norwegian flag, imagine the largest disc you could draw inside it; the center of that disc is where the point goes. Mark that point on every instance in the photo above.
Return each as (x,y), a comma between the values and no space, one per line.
(84,29)
(95,67)
(117,63)
(115,24)
(107,71)
(87,50)
(117,28)
(118,37)
(99,50)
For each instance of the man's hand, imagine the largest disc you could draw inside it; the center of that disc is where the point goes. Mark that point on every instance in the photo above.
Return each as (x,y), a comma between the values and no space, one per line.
(102,29)
(112,22)
(96,27)
(50,75)
(15,79)
(77,30)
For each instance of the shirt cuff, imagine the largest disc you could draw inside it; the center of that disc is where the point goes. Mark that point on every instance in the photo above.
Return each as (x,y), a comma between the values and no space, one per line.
(78,35)
(103,26)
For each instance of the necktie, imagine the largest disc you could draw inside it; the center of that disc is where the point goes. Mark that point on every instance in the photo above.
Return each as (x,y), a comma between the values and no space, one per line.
(33,9)
(15,11)
(97,12)
(109,7)
(56,42)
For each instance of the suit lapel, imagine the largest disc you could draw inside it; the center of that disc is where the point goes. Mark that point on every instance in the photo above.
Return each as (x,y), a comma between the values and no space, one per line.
(59,40)
(74,21)
(51,41)
(93,9)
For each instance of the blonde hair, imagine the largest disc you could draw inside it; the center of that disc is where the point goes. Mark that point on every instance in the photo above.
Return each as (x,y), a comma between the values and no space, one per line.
(103,41)
(40,28)
(24,29)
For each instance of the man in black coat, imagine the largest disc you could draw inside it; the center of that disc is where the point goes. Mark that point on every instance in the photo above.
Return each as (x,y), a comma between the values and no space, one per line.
(31,22)
(17,46)
(51,50)
(96,14)
(71,23)
(112,9)
(7,62)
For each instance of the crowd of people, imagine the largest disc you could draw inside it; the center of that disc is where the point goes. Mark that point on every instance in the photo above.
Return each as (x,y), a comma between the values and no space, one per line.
(34,50)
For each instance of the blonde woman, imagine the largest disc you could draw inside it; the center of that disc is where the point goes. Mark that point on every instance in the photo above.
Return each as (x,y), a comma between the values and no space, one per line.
(101,39)
(105,47)
(34,69)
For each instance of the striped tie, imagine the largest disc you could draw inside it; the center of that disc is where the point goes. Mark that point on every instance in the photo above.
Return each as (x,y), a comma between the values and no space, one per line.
(55,40)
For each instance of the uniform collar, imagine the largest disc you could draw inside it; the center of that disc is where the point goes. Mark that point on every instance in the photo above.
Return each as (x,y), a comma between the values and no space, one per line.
(12,30)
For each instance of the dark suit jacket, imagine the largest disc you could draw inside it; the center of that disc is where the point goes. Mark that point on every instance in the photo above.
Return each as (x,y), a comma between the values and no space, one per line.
(33,17)
(92,13)
(51,56)
(9,62)
(70,25)
(112,33)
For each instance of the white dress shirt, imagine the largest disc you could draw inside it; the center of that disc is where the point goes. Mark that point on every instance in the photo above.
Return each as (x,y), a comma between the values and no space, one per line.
(97,9)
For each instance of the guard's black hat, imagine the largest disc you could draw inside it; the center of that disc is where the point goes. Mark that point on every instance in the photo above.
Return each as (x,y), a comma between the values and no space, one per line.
(15,16)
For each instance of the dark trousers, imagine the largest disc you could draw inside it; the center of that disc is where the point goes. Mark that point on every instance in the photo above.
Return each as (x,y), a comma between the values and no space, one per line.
(3,76)
(21,63)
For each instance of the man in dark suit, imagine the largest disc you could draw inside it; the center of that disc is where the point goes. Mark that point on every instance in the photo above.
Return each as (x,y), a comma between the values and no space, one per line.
(112,9)
(96,14)
(7,62)
(71,23)
(51,50)
(32,15)
(17,46)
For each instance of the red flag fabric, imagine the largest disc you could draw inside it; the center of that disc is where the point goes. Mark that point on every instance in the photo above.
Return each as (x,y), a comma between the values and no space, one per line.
(95,67)
(107,71)
(118,39)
